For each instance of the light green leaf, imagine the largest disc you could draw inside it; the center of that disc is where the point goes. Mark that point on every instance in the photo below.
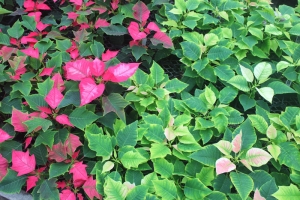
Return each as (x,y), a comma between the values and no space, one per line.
(81,117)
(4,39)
(262,71)
(210,96)
(282,65)
(211,39)
(195,189)
(224,146)
(114,190)
(4,11)
(240,83)
(259,123)
(163,167)
(295,30)
(159,150)
(274,150)
(166,189)
(247,73)
(137,193)
(196,104)
(256,32)
(191,50)
(156,72)
(270,28)
(219,53)
(266,92)
(287,192)
(242,183)
(132,159)
(175,85)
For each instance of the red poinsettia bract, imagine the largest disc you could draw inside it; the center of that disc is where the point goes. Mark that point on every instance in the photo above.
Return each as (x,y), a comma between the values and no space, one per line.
(138,31)
(86,71)
(22,162)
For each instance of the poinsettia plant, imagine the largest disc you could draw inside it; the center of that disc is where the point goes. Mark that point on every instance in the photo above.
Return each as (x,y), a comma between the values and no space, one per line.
(88,108)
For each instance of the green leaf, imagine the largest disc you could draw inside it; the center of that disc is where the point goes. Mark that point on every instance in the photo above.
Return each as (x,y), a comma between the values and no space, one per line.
(48,190)
(227,95)
(155,133)
(210,95)
(137,193)
(159,150)
(114,190)
(282,65)
(246,102)
(81,117)
(43,45)
(45,87)
(191,50)
(196,104)
(262,71)
(240,83)
(287,192)
(295,30)
(114,103)
(84,49)
(249,136)
(222,183)
(4,39)
(224,72)
(128,135)
(63,45)
(242,183)
(71,97)
(138,51)
(7,104)
(219,53)
(28,22)
(57,169)
(270,28)
(256,32)
(280,88)
(289,115)
(16,31)
(46,138)
(287,149)
(115,30)
(11,183)
(163,167)
(259,123)
(97,49)
(157,73)
(101,144)
(35,101)
(132,159)
(180,5)
(211,39)
(247,74)
(195,189)
(4,11)
(23,87)
(216,195)
(175,85)
(166,189)
(40,153)
(266,92)
(36,122)
(208,155)
(192,4)
(133,176)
